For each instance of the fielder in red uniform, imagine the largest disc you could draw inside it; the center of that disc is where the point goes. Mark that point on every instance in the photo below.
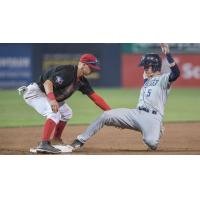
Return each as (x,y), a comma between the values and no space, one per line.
(48,95)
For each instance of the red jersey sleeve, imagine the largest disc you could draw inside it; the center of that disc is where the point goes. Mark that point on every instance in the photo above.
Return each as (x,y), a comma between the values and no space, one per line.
(99,101)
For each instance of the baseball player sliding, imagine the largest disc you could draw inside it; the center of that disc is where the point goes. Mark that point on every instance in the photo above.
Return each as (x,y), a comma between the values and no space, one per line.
(48,95)
(148,115)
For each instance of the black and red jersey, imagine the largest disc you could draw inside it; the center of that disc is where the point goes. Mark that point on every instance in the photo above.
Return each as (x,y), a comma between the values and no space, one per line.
(65,82)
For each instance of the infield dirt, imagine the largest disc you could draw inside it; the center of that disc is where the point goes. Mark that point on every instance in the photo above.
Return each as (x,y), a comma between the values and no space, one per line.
(178,139)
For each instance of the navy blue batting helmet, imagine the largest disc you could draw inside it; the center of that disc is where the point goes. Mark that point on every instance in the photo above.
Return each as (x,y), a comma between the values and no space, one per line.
(153,60)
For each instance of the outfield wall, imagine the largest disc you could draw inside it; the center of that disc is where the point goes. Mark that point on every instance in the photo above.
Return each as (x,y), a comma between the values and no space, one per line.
(189,64)
(48,55)
(15,65)
(21,64)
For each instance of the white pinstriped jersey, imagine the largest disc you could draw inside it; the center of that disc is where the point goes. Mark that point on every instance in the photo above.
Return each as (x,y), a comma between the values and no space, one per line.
(154,93)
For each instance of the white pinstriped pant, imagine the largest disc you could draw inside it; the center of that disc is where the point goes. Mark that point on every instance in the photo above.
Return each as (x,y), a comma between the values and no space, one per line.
(149,124)
(35,98)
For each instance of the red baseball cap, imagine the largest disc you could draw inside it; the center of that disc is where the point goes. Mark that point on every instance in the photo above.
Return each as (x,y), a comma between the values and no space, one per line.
(91,61)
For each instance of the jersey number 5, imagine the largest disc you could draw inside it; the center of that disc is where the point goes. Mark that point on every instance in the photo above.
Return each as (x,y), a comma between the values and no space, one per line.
(149,92)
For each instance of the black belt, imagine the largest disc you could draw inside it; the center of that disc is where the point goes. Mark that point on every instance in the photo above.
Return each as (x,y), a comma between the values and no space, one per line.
(147,110)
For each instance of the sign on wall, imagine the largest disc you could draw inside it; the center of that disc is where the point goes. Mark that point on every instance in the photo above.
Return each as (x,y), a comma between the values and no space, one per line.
(15,65)
(189,65)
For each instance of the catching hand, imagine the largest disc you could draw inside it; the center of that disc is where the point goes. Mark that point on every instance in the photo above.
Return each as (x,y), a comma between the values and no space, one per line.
(54,106)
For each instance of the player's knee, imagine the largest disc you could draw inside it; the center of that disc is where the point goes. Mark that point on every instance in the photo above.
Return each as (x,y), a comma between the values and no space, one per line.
(65,116)
(106,115)
(56,117)
(107,118)
(152,143)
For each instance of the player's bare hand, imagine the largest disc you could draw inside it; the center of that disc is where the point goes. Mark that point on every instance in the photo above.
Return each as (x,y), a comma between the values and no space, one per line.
(54,106)
(165,48)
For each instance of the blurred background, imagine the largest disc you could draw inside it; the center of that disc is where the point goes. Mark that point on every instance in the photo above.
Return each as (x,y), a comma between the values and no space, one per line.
(118,82)
(23,63)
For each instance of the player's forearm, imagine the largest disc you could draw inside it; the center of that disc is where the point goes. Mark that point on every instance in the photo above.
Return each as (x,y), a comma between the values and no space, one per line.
(48,87)
(175,72)
(99,101)
(170,59)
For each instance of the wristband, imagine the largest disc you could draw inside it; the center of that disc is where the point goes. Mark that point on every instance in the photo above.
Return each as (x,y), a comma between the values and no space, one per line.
(51,96)
(169,58)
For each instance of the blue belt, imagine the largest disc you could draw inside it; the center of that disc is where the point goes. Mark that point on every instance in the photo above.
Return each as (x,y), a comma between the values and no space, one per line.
(147,110)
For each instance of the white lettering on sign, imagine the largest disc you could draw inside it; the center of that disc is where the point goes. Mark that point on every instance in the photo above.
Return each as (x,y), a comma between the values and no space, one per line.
(190,71)
(15,75)
(15,62)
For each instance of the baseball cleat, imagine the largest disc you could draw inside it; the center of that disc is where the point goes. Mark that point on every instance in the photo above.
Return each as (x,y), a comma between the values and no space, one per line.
(76,144)
(46,147)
